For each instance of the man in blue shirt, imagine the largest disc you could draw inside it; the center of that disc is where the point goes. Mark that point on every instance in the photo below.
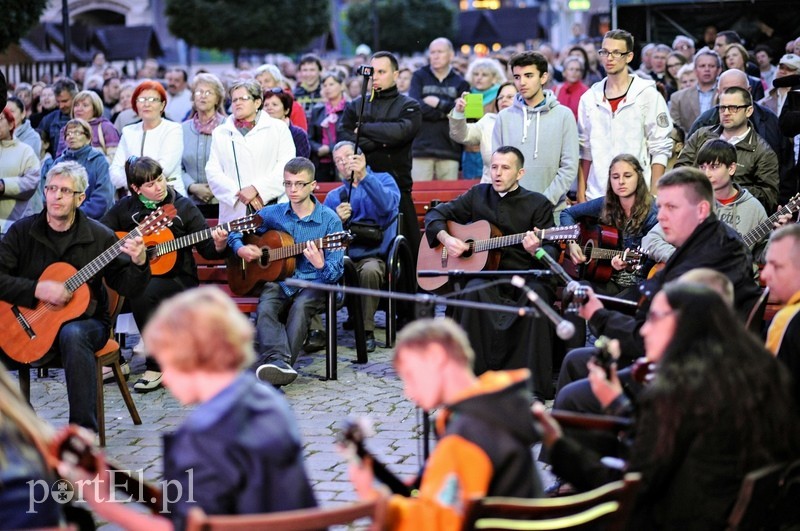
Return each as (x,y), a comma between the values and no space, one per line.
(369,198)
(304,219)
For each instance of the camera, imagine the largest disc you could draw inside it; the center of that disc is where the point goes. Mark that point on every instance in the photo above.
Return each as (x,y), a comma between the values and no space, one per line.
(365,70)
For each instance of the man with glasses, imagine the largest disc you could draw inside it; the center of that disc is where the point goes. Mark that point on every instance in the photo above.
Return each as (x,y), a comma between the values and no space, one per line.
(621,114)
(279,343)
(756,162)
(63,233)
(687,104)
(684,46)
(248,153)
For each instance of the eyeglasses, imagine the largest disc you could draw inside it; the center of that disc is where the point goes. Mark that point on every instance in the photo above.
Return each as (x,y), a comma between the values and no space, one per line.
(200,93)
(710,166)
(295,185)
(616,54)
(74,132)
(654,316)
(242,98)
(148,99)
(683,47)
(673,65)
(52,189)
(731,108)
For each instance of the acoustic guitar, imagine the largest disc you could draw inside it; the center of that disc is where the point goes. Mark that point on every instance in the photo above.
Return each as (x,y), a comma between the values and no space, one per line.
(162,247)
(29,333)
(600,243)
(277,259)
(484,240)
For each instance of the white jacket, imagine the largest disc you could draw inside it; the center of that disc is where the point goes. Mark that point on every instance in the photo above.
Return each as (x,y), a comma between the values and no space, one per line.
(479,133)
(259,160)
(640,127)
(163,144)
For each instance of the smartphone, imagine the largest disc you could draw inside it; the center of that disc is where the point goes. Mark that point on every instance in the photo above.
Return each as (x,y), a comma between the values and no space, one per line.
(474,107)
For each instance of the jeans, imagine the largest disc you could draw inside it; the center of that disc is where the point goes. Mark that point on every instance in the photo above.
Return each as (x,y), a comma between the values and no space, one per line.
(277,341)
(77,342)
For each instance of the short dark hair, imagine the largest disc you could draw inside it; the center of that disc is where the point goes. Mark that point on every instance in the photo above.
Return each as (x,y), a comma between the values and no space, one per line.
(730,37)
(716,150)
(299,165)
(528,58)
(745,94)
(620,35)
(388,55)
(310,58)
(18,102)
(65,85)
(511,149)
(286,99)
(693,180)
(764,48)
(180,71)
(141,170)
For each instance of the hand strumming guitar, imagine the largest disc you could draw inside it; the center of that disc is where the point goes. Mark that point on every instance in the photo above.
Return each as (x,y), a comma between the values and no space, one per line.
(249,253)
(455,247)
(52,292)
(530,242)
(576,253)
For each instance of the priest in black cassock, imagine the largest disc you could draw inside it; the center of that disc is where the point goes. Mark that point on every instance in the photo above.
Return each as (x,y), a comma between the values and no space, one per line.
(503,340)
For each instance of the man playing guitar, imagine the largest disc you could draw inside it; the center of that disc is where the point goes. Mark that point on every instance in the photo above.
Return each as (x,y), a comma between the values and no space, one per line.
(503,341)
(304,219)
(62,233)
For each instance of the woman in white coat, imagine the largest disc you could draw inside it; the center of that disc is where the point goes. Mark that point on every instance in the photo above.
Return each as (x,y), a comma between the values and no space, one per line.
(154,137)
(248,153)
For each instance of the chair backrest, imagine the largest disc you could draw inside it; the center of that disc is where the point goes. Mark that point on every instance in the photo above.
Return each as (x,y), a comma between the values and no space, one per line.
(768,498)
(299,520)
(608,506)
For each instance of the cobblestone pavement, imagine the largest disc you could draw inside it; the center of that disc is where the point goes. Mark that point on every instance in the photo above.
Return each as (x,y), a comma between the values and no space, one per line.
(371,389)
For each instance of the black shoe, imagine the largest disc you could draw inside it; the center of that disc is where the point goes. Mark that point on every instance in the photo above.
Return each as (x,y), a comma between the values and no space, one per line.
(370,341)
(277,373)
(348,324)
(315,341)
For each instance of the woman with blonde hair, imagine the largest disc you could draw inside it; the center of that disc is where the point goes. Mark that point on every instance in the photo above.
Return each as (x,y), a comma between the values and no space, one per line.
(208,111)
(88,106)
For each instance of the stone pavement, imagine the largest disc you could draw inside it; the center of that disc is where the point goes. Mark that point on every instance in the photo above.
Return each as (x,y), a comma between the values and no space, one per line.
(372,390)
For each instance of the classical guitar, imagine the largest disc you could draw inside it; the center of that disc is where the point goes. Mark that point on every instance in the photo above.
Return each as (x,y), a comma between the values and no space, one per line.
(484,240)
(277,258)
(352,437)
(162,247)
(601,243)
(73,445)
(29,333)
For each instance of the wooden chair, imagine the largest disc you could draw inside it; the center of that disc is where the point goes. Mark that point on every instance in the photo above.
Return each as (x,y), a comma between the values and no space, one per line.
(607,507)
(299,520)
(768,499)
(108,356)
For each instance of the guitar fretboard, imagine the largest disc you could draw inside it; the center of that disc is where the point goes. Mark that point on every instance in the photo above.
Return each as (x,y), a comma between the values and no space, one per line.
(288,251)
(184,241)
(765,227)
(608,254)
(557,233)
(92,268)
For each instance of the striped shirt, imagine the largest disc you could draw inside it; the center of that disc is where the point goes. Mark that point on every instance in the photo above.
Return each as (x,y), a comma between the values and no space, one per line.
(321,222)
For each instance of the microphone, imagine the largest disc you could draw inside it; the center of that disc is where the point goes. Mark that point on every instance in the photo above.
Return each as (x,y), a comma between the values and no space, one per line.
(554,266)
(564,329)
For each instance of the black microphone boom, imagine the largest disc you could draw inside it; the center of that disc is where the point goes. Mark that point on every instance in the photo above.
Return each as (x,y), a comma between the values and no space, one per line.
(564,329)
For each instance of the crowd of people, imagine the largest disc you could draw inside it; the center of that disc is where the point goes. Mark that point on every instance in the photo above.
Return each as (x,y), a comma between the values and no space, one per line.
(685,159)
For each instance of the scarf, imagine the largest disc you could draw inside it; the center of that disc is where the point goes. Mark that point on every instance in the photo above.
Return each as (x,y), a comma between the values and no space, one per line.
(328,125)
(489,95)
(148,204)
(244,126)
(207,127)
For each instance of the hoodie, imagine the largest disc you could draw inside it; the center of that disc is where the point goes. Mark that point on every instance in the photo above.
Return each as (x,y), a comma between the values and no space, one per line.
(480,453)
(547,136)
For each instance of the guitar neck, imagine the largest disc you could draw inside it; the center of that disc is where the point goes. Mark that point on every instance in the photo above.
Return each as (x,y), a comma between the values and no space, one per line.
(293,250)
(184,241)
(765,227)
(95,266)
(506,241)
(605,254)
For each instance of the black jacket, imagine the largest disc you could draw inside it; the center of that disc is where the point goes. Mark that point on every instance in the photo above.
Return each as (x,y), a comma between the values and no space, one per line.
(26,251)
(713,244)
(390,123)
(129,211)
(434,139)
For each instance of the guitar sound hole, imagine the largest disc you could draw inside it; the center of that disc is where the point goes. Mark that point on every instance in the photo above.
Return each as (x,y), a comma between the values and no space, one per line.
(264,260)
(470,250)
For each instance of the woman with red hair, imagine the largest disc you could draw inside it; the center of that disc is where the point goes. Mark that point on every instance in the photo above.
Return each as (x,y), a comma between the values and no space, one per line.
(154,137)
(19,175)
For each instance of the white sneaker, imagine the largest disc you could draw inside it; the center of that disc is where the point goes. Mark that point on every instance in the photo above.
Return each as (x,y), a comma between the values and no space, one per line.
(108,372)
